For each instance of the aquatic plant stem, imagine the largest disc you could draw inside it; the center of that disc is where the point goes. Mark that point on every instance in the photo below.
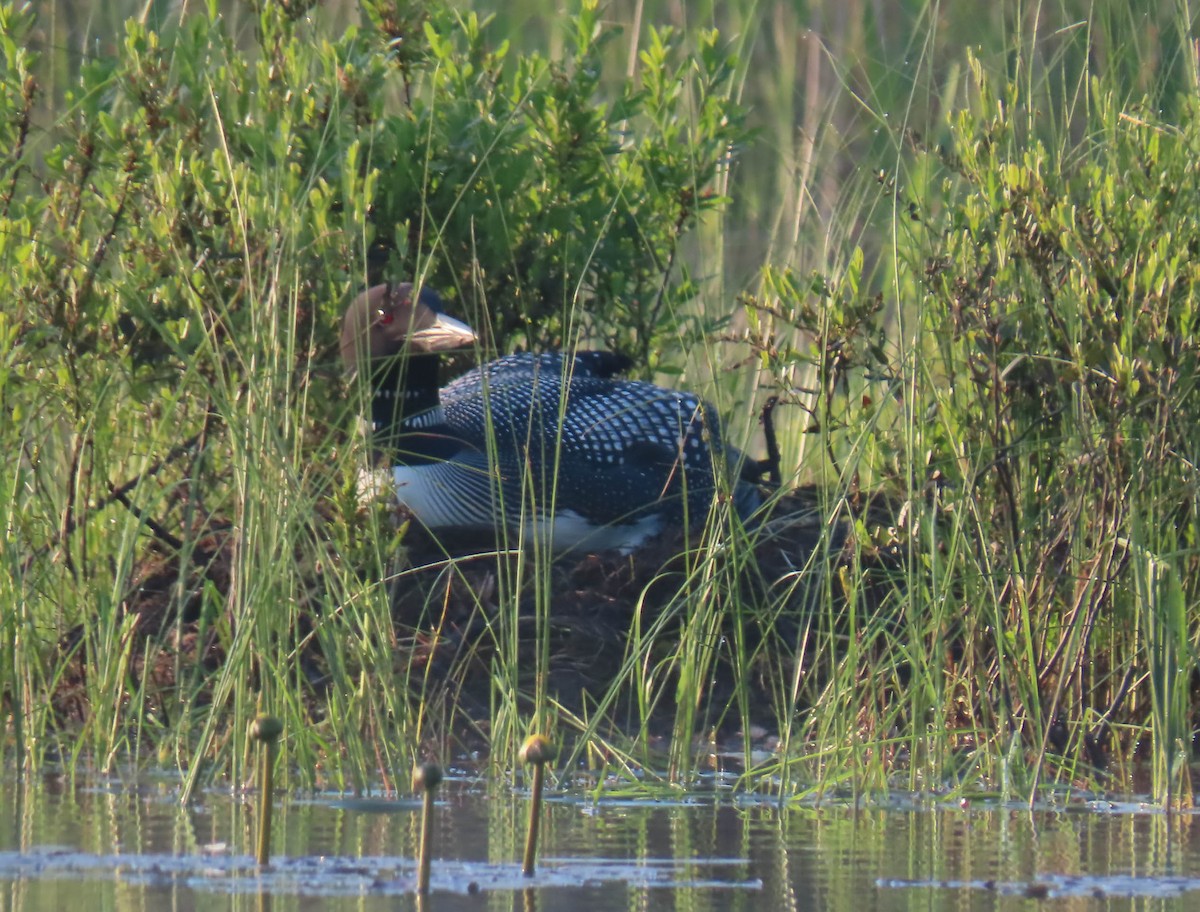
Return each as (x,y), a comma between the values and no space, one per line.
(266,730)
(426,777)
(535,811)
(538,751)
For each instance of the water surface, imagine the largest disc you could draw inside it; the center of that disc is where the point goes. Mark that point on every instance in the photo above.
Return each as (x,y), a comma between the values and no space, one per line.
(129,845)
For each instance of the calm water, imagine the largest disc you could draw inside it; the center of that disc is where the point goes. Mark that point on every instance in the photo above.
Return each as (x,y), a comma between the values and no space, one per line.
(122,846)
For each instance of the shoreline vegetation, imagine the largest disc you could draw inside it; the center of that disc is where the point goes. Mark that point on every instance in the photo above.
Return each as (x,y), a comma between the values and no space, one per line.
(961,248)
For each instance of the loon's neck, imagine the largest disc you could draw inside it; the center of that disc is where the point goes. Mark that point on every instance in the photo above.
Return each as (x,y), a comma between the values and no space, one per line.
(401,389)
(407,423)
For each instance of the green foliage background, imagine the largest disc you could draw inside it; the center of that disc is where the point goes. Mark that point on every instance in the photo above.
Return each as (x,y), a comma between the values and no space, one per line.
(958,244)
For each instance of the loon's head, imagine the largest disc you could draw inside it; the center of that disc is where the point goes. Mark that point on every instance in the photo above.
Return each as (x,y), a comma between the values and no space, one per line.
(384,319)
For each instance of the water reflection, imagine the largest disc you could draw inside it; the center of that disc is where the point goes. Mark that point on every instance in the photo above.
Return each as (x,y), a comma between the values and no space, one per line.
(131,846)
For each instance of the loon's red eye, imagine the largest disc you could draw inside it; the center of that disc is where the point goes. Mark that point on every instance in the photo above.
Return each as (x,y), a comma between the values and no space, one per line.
(386,317)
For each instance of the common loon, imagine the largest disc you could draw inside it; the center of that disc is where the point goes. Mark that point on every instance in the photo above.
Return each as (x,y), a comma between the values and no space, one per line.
(549,442)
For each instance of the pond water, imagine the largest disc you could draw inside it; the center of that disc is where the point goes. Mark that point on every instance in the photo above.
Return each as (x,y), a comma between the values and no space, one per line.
(116,845)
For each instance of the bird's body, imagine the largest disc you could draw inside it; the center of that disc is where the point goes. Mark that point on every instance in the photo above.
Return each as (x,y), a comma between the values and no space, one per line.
(550,444)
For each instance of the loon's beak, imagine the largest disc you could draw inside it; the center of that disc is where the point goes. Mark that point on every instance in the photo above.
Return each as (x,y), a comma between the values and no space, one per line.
(442,334)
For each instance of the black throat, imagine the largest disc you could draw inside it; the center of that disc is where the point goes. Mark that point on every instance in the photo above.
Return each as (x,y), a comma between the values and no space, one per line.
(406,421)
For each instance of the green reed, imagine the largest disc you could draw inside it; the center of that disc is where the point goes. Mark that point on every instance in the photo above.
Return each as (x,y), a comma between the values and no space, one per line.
(965,267)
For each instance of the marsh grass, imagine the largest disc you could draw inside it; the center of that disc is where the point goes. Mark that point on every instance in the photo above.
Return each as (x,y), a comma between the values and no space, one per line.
(968,274)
